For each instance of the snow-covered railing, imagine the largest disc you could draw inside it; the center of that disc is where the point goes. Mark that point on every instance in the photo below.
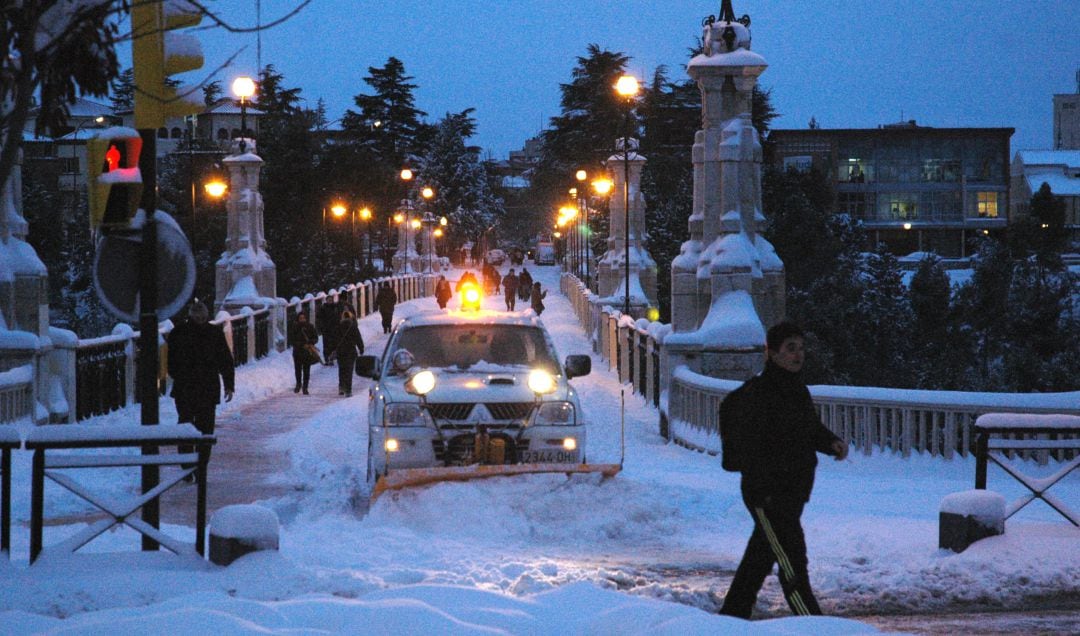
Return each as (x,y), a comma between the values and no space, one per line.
(903,421)
(630,347)
(16,393)
(105,369)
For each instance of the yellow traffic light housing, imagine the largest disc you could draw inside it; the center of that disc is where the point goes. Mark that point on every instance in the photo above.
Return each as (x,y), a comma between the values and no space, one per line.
(114,183)
(157,54)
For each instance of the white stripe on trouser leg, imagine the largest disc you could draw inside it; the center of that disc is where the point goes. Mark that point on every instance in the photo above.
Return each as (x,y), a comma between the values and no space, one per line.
(782,560)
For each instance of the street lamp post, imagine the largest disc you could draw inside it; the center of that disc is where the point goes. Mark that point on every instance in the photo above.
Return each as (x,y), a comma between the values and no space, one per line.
(365,215)
(627,86)
(603,188)
(583,219)
(243,87)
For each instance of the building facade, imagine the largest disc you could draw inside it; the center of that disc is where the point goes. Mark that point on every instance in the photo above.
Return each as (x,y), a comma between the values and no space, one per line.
(1060,169)
(1067,119)
(915,188)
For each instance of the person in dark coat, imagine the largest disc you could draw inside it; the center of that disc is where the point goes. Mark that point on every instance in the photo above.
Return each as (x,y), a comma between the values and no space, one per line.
(385,301)
(525,282)
(778,436)
(199,362)
(536,298)
(510,289)
(303,334)
(350,345)
(326,323)
(442,292)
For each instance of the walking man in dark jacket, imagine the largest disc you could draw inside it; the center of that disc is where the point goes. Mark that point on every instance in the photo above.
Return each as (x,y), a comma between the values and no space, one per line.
(350,345)
(199,361)
(510,288)
(385,301)
(777,435)
(326,322)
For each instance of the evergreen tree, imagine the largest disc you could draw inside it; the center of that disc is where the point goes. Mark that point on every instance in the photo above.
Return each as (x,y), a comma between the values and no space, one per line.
(940,354)
(461,183)
(1041,335)
(981,305)
(212,92)
(123,92)
(388,118)
(882,322)
(1042,230)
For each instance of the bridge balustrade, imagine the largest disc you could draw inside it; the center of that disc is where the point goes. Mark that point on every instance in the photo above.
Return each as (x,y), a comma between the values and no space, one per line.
(939,423)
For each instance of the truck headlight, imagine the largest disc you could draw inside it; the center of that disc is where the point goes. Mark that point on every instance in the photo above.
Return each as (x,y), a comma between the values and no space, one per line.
(555,414)
(405,414)
(541,382)
(421,383)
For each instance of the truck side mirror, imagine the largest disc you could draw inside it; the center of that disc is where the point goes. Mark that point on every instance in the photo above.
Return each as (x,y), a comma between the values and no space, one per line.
(367,367)
(577,366)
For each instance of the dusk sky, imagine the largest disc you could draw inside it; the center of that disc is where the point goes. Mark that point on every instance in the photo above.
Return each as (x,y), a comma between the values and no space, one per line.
(849,64)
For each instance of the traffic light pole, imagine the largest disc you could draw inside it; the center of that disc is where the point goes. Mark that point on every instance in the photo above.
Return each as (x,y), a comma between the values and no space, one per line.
(148,362)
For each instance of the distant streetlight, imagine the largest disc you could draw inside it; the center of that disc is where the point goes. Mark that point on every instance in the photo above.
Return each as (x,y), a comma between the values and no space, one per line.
(216,188)
(243,87)
(366,216)
(627,86)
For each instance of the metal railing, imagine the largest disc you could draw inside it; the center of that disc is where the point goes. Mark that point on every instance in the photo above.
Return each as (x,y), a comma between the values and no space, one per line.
(105,368)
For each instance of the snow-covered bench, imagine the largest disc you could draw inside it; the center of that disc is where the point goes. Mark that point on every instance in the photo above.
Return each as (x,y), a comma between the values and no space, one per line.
(999,434)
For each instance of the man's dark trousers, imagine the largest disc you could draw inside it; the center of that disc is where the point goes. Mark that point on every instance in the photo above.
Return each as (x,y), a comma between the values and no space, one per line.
(777,538)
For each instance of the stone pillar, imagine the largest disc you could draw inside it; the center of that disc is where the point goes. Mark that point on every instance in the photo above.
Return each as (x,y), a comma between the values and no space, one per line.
(727,282)
(25,335)
(611,269)
(406,259)
(246,276)
(429,258)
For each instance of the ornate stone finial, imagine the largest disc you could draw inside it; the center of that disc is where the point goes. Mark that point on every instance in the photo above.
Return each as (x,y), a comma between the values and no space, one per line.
(727,14)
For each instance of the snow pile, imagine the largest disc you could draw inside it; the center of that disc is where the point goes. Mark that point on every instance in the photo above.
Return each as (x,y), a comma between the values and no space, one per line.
(255,525)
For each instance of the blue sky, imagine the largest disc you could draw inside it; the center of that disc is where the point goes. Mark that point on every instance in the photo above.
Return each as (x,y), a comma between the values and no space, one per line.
(846,63)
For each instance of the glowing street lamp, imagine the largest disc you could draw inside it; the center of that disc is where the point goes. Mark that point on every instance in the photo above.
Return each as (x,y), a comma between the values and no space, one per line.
(216,188)
(243,87)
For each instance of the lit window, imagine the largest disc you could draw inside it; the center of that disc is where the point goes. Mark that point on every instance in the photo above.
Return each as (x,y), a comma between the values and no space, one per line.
(988,205)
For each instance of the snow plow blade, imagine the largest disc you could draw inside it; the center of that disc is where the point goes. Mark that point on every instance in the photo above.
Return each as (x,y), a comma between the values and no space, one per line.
(410,477)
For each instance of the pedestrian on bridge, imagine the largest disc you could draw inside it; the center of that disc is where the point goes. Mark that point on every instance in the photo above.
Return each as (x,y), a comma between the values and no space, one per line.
(510,289)
(536,298)
(304,354)
(442,292)
(199,361)
(385,300)
(350,345)
(773,433)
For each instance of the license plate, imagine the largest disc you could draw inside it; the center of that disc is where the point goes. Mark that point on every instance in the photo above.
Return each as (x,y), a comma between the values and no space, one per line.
(549,456)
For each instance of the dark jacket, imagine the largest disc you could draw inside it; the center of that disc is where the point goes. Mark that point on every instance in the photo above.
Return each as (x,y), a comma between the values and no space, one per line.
(510,284)
(199,360)
(350,342)
(536,299)
(442,291)
(779,436)
(302,334)
(385,300)
(466,278)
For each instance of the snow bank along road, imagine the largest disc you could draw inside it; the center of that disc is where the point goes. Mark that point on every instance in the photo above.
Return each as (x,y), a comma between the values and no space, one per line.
(670,526)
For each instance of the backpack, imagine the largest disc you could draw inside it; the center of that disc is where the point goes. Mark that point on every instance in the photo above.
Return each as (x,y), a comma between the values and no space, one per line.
(733,420)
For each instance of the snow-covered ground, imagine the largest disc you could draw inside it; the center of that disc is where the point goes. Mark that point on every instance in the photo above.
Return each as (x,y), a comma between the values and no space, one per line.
(649,551)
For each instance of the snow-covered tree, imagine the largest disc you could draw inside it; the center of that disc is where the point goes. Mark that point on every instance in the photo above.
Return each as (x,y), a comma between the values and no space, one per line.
(462,186)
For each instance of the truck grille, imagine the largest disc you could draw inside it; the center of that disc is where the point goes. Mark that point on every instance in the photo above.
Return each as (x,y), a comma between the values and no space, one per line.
(451,411)
(500,411)
(509,410)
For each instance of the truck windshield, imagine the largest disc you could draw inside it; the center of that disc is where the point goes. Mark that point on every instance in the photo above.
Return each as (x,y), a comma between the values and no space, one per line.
(467,346)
